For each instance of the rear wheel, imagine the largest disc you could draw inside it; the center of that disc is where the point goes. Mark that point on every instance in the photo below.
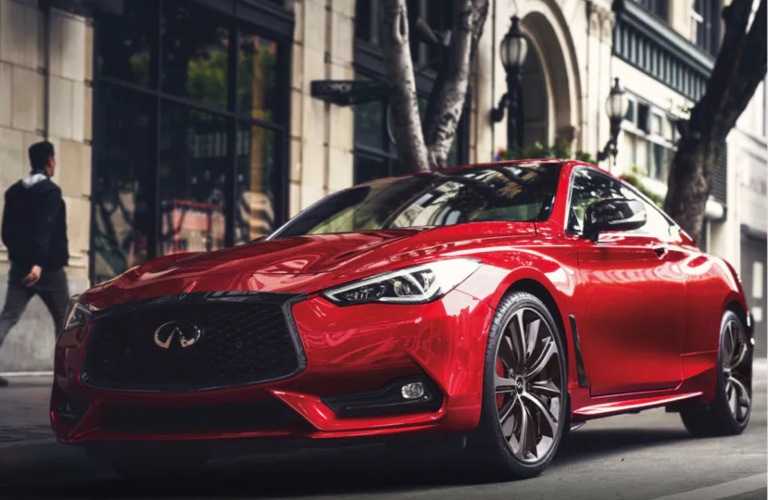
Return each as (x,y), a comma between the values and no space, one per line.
(729,412)
(524,390)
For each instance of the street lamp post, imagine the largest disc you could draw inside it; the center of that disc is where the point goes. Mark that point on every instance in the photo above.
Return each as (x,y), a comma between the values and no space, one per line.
(513,49)
(616,108)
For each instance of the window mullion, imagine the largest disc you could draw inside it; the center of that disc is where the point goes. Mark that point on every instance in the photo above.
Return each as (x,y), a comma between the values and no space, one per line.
(154,237)
(231,186)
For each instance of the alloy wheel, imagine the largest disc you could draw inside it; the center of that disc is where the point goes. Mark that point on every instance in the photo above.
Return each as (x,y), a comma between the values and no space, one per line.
(528,384)
(735,371)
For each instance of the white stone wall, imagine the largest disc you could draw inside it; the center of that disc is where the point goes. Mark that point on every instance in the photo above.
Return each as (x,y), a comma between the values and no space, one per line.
(751,141)
(322,135)
(23,70)
(574,48)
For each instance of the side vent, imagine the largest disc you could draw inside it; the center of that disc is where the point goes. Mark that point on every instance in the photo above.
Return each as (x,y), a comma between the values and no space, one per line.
(580,372)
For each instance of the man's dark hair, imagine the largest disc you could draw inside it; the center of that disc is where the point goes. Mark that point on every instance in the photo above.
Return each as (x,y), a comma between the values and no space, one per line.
(39,153)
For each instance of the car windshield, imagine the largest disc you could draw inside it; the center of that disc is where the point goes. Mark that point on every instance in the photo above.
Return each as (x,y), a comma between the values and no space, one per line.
(516,192)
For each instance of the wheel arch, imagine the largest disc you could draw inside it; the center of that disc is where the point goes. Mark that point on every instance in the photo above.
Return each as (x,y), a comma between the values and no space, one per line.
(549,277)
(541,292)
(736,307)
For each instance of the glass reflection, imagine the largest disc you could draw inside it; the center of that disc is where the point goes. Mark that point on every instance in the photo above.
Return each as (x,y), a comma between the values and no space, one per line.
(368,168)
(122,180)
(369,125)
(127,52)
(255,215)
(193,176)
(257,91)
(195,55)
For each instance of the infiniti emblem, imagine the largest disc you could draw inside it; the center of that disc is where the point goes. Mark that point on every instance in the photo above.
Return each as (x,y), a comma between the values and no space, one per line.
(186,332)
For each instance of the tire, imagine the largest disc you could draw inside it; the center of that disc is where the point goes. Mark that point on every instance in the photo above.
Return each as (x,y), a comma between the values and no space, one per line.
(728,414)
(530,401)
(151,460)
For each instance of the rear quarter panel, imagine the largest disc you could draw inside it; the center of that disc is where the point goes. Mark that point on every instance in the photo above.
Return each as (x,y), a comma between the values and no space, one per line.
(712,286)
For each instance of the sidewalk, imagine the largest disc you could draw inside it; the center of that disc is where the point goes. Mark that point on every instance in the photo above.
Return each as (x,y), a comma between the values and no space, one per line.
(24,411)
(24,407)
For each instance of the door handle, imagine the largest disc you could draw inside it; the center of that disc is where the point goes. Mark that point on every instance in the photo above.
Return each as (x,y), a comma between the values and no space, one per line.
(660,250)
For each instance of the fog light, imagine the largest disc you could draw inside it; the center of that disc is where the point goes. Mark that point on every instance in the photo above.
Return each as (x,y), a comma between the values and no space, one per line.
(414,390)
(751,341)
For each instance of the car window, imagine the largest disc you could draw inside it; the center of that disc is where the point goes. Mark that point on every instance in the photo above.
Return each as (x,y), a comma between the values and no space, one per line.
(512,192)
(657,225)
(589,185)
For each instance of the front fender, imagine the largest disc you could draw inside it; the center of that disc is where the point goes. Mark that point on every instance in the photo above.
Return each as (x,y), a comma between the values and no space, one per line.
(557,274)
(499,273)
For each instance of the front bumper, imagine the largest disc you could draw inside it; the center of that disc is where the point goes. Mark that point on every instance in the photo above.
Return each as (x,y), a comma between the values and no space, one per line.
(349,351)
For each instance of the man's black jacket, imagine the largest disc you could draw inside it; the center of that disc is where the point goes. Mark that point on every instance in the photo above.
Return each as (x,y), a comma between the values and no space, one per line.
(35,223)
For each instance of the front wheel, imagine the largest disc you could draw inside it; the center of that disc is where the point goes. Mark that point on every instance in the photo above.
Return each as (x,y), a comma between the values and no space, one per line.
(524,390)
(729,412)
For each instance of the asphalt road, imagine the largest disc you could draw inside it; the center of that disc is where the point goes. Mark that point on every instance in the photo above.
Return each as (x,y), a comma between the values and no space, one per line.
(643,456)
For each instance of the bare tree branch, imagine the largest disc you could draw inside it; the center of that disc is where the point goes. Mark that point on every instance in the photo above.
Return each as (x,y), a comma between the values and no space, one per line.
(752,70)
(406,122)
(446,101)
(736,17)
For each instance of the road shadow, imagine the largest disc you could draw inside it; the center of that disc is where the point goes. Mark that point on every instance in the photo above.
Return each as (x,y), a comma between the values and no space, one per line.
(592,443)
(333,472)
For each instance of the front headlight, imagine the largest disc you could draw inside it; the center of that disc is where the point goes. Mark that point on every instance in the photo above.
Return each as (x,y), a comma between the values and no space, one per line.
(412,285)
(77,314)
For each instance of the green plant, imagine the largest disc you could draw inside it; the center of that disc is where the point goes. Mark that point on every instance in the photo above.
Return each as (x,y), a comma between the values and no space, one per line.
(634,180)
(560,149)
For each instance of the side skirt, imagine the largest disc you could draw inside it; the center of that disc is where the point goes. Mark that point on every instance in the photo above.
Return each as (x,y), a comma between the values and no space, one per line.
(637,404)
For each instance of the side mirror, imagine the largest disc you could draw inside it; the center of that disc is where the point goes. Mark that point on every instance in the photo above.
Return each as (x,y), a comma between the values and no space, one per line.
(613,215)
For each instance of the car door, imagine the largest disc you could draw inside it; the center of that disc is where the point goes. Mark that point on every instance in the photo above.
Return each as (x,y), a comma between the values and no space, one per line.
(633,293)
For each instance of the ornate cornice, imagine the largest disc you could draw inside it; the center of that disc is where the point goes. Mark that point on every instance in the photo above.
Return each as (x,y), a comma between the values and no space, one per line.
(601,21)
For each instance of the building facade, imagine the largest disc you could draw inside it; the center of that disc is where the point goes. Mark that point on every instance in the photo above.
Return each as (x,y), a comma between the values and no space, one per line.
(195,124)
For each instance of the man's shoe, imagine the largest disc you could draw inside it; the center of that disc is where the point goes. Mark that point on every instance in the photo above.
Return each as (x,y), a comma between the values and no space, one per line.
(3,382)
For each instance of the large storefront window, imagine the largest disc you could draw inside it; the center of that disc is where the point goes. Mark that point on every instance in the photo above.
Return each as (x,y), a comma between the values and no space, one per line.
(257,90)
(122,187)
(195,55)
(255,214)
(191,118)
(126,47)
(193,174)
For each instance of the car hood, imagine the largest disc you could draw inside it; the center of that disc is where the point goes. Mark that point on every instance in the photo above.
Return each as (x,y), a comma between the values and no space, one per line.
(302,264)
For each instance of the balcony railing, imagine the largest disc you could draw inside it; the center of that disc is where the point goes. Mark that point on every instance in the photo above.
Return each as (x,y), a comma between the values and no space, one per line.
(649,44)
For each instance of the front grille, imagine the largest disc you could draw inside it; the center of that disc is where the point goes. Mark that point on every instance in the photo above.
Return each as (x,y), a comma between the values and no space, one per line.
(235,417)
(242,343)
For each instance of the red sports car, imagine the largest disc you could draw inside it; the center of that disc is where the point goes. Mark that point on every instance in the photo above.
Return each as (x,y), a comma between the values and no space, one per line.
(505,303)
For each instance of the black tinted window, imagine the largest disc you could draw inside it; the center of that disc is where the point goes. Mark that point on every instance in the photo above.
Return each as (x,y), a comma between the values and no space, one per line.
(502,193)
(589,185)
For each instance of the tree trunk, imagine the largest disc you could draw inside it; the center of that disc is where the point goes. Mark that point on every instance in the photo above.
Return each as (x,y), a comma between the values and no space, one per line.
(446,102)
(406,122)
(739,68)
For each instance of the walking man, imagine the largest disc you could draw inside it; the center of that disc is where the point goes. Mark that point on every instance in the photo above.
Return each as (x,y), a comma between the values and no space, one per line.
(35,234)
